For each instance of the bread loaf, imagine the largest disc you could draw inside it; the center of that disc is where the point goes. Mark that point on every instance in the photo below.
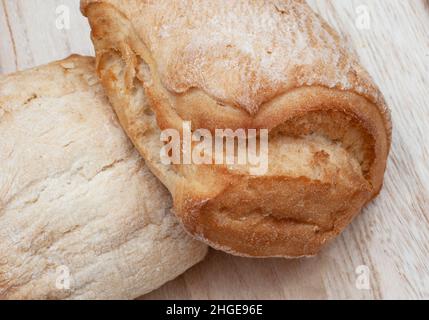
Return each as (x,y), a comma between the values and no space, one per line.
(81,216)
(268,65)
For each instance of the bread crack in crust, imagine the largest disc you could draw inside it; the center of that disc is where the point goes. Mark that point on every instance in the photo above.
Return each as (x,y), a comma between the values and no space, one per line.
(270,64)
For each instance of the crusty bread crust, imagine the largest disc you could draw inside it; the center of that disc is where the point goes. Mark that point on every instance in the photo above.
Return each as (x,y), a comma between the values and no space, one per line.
(74,193)
(248,64)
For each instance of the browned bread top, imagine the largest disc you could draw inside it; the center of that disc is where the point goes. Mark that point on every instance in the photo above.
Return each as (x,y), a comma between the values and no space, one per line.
(272,65)
(244,53)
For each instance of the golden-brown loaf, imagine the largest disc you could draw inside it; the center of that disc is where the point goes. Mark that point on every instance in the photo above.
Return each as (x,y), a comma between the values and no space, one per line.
(76,198)
(270,64)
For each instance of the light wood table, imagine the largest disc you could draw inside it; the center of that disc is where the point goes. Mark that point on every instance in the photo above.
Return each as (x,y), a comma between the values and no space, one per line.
(390,239)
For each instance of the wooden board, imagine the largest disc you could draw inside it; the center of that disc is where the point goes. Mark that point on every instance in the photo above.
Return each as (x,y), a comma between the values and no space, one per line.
(390,239)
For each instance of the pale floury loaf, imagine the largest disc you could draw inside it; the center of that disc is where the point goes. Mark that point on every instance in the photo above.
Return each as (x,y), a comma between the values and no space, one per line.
(76,199)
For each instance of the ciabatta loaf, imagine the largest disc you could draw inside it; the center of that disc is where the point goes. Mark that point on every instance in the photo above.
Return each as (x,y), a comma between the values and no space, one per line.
(268,65)
(81,216)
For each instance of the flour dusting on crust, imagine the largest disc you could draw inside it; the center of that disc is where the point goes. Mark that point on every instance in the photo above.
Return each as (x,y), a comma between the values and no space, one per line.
(244,53)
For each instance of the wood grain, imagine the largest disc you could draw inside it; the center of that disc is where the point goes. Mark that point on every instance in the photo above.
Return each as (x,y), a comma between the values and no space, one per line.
(391,236)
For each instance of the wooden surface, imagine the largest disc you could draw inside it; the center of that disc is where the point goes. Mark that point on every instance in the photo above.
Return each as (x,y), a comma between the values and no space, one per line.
(390,238)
